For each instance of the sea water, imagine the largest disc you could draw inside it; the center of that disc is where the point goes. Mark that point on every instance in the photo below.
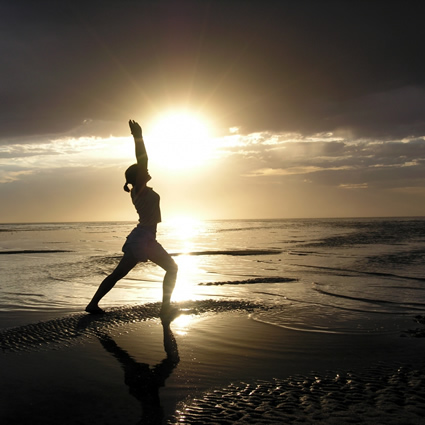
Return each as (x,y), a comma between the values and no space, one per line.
(320,275)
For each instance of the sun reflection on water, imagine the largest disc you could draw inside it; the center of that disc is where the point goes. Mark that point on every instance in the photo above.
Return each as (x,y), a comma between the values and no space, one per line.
(184,233)
(184,230)
(182,323)
(188,277)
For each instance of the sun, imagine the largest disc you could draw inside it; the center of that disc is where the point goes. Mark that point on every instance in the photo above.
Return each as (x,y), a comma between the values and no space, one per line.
(180,140)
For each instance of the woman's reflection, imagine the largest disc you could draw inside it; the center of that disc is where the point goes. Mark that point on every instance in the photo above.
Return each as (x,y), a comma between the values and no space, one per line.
(144,382)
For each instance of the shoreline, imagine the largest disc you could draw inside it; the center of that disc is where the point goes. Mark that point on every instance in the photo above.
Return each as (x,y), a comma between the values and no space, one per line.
(229,366)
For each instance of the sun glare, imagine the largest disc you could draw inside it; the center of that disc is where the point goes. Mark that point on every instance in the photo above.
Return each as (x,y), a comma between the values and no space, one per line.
(180,140)
(184,229)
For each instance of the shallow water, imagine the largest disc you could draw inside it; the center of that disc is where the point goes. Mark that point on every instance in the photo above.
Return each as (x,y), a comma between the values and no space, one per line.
(352,276)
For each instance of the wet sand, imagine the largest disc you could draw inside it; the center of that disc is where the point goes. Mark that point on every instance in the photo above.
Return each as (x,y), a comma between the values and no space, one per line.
(213,365)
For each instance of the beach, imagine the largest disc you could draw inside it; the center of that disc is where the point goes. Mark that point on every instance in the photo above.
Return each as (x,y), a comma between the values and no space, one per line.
(225,367)
(282,322)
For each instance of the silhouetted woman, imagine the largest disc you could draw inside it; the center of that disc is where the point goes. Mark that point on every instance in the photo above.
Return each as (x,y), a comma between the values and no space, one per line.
(141,244)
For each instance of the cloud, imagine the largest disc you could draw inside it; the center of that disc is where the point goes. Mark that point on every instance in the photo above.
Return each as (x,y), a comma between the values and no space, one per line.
(354,186)
(244,171)
(386,115)
(294,170)
(280,66)
(325,157)
(330,160)
(18,161)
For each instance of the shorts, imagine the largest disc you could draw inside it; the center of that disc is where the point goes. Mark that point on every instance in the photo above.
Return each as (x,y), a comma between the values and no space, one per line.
(141,243)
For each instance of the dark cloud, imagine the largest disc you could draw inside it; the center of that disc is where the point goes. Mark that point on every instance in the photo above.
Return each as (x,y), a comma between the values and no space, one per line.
(326,162)
(306,66)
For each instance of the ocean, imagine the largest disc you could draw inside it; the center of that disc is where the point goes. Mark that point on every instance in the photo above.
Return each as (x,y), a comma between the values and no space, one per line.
(346,276)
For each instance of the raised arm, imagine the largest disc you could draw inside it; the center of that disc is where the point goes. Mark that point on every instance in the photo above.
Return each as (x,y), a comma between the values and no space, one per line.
(141,154)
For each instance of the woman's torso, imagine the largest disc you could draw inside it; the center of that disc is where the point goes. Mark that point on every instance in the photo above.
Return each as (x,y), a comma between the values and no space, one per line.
(146,202)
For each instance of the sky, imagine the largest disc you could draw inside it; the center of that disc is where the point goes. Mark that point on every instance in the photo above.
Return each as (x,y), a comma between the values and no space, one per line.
(250,109)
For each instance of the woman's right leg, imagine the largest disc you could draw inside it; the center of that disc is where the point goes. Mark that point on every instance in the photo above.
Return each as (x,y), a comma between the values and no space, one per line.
(159,256)
(125,265)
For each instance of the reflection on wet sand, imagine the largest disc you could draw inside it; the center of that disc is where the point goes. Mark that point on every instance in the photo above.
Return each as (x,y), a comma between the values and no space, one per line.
(143,381)
(37,336)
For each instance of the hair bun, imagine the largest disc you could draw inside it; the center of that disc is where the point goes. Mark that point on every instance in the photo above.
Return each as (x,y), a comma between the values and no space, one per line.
(126,188)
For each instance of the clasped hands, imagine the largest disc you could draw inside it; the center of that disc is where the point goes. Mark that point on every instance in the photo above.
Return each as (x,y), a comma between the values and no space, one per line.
(135,128)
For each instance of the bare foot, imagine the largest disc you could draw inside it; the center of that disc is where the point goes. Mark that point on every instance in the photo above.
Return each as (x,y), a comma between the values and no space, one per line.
(94,310)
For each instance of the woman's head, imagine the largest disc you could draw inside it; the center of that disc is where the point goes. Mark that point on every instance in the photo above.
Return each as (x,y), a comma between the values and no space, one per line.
(135,175)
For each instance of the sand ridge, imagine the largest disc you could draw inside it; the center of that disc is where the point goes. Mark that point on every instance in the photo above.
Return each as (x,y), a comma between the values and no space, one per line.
(385,394)
(65,330)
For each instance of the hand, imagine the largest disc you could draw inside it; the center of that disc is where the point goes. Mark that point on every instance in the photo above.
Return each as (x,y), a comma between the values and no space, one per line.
(135,128)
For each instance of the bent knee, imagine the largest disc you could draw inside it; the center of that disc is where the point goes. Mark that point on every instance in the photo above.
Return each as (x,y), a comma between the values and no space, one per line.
(173,267)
